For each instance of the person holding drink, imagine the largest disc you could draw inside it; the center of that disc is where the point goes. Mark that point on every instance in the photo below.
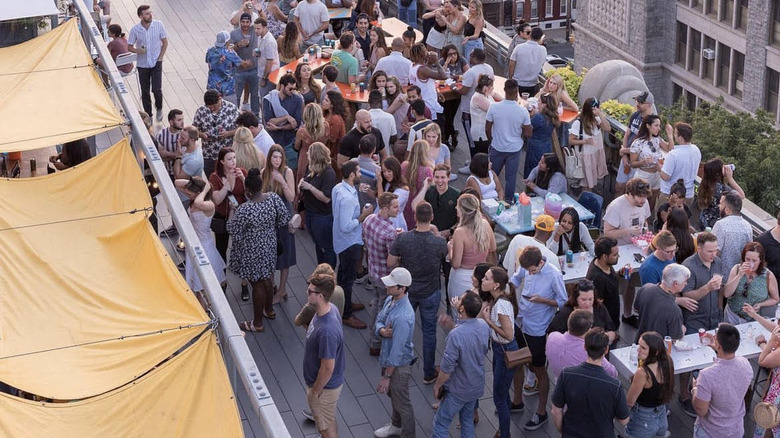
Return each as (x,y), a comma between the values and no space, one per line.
(750,282)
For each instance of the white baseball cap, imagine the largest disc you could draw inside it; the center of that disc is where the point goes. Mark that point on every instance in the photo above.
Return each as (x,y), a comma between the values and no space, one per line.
(399,277)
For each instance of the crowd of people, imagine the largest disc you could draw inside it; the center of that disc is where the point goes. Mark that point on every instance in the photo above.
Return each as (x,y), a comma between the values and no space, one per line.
(370,184)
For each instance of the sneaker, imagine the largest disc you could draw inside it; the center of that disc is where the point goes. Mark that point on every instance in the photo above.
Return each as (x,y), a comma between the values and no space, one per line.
(529,390)
(520,407)
(465,169)
(453,177)
(632,320)
(387,430)
(535,422)
(159,115)
(307,414)
(430,379)
(687,406)
(246,107)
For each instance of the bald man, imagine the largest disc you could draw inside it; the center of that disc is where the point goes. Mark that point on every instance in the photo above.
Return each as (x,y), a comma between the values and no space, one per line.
(350,143)
(395,64)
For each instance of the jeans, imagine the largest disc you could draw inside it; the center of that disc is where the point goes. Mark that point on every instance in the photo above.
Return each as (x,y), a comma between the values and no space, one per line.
(429,307)
(647,422)
(502,380)
(380,294)
(448,407)
(471,45)
(512,161)
(151,77)
(349,260)
(398,391)
(320,227)
(248,77)
(408,14)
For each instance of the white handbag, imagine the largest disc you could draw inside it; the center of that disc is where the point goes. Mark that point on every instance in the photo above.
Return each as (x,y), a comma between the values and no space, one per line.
(573,159)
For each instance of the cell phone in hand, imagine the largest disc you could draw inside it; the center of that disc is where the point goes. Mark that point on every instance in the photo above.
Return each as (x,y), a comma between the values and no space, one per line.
(639,257)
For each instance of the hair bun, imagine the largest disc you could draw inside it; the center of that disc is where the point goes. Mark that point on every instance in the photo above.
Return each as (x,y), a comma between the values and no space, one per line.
(254,172)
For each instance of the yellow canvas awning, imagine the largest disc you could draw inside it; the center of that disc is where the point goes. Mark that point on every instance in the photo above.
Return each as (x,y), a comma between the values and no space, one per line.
(188,396)
(50,93)
(89,298)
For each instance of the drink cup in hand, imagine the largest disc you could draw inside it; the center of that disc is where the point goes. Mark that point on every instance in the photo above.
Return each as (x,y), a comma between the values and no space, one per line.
(717,281)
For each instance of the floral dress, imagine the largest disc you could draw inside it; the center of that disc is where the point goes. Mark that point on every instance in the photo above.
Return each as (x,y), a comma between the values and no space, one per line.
(711,214)
(253,229)
(275,26)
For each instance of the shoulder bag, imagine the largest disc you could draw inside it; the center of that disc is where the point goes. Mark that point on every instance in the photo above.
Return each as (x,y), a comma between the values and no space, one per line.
(522,356)
(766,414)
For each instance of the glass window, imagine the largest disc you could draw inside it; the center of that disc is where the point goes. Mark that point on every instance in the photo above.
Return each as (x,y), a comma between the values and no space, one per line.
(708,65)
(727,12)
(690,100)
(739,74)
(534,9)
(775,29)
(677,92)
(697,4)
(742,14)
(724,66)
(682,43)
(773,89)
(548,8)
(711,8)
(695,52)
(563,8)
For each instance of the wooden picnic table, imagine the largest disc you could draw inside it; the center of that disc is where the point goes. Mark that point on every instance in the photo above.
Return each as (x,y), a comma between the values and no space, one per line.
(316,64)
(395,28)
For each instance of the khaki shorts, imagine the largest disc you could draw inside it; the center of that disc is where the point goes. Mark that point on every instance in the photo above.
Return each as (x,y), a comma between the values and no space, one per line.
(323,408)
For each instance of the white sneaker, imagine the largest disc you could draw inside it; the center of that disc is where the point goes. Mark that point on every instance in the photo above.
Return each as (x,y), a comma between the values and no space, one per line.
(465,169)
(453,177)
(246,107)
(387,430)
(307,414)
(159,116)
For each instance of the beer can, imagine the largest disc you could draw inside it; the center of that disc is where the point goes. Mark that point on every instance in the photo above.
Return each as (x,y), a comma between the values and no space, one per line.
(702,332)
(627,272)
(668,343)
(570,258)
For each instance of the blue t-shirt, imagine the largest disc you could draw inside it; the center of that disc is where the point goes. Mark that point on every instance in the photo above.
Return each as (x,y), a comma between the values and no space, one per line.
(652,269)
(324,340)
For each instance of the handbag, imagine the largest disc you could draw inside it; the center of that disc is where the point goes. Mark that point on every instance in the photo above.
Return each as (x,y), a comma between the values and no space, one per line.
(573,163)
(766,414)
(515,358)
(218,226)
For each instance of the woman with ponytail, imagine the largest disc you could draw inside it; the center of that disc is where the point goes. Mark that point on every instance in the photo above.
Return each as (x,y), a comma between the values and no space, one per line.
(472,243)
(651,388)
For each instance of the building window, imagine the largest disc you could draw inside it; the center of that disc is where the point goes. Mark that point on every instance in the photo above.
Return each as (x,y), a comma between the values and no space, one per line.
(677,92)
(711,8)
(773,87)
(724,66)
(690,101)
(708,58)
(548,8)
(742,14)
(534,9)
(695,56)
(563,8)
(697,4)
(682,44)
(775,37)
(727,12)
(739,74)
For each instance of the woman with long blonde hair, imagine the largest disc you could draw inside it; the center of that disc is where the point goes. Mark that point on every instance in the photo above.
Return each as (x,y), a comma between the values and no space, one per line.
(278,178)
(315,189)
(555,86)
(473,34)
(248,156)
(415,171)
(472,243)
(315,128)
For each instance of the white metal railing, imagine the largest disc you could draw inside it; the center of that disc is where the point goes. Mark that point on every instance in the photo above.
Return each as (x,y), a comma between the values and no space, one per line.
(238,358)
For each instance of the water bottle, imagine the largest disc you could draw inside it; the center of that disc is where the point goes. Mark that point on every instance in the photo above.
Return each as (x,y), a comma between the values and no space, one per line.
(633,356)
(560,109)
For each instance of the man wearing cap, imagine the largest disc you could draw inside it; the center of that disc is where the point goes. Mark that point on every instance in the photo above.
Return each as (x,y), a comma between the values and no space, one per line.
(379,234)
(545,225)
(395,325)
(644,108)
(222,61)
(245,41)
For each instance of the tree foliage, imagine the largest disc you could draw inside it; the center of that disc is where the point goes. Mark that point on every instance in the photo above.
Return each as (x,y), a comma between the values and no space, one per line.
(571,80)
(748,141)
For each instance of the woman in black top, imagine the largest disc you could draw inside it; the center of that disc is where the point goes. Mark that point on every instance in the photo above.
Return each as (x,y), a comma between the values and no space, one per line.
(651,387)
(315,192)
(473,33)
(584,297)
(454,66)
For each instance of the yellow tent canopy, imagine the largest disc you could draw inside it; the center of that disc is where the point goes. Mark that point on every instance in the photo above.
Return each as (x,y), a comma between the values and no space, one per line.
(50,93)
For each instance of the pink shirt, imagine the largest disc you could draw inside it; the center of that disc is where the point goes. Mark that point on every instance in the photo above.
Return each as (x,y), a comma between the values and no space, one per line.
(724,385)
(565,350)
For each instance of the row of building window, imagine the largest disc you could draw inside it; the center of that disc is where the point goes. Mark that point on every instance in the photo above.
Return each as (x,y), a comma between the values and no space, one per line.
(710,60)
(549,8)
(734,13)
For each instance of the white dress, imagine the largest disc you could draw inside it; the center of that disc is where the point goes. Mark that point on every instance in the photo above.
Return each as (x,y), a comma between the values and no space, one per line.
(488,190)
(202,225)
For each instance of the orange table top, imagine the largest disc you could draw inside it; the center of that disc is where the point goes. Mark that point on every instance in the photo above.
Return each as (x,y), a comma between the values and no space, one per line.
(349,96)
(315,63)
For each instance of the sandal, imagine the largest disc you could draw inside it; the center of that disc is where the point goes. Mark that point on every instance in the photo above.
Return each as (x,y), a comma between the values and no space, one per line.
(244,292)
(249,326)
(271,315)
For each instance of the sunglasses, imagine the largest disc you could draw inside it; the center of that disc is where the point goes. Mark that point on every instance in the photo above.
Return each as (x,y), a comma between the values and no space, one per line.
(596,103)
(745,289)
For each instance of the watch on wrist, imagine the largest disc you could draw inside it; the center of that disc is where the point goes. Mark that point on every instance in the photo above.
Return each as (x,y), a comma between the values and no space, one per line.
(386,376)
(229,192)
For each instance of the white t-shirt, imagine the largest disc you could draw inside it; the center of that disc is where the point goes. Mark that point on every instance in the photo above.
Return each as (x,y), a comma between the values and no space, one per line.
(517,244)
(268,50)
(384,123)
(312,15)
(597,137)
(622,215)
(396,65)
(470,78)
(502,307)
(681,162)
(263,141)
(508,119)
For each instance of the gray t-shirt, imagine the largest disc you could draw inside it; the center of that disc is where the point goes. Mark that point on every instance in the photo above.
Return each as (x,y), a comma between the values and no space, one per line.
(707,315)
(245,53)
(324,340)
(421,253)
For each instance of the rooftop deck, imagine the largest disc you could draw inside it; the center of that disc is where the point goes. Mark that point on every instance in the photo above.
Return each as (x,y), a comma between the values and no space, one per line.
(192,26)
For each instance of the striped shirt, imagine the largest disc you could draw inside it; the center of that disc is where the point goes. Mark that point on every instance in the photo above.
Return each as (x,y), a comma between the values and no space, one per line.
(169,142)
(150,39)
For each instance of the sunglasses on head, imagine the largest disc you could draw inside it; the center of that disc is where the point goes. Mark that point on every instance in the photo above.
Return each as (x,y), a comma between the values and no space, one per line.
(596,103)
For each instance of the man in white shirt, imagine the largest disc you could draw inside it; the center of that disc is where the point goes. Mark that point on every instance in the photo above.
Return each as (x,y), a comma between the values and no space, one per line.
(267,53)
(526,62)
(380,120)
(263,140)
(150,41)
(681,163)
(506,123)
(732,230)
(543,228)
(395,64)
(311,17)
(467,90)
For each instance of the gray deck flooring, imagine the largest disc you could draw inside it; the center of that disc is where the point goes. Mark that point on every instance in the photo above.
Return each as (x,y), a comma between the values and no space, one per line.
(192,26)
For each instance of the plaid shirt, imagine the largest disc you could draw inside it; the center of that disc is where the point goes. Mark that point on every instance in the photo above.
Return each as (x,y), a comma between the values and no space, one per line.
(379,235)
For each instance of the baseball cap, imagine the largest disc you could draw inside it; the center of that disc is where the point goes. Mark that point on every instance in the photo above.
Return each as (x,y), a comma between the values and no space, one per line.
(645,97)
(222,38)
(245,16)
(545,222)
(398,277)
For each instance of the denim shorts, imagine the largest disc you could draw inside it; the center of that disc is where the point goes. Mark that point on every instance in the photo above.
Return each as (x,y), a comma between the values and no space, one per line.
(647,422)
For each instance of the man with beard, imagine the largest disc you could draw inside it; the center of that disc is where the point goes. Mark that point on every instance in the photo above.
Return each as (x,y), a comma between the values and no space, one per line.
(350,143)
